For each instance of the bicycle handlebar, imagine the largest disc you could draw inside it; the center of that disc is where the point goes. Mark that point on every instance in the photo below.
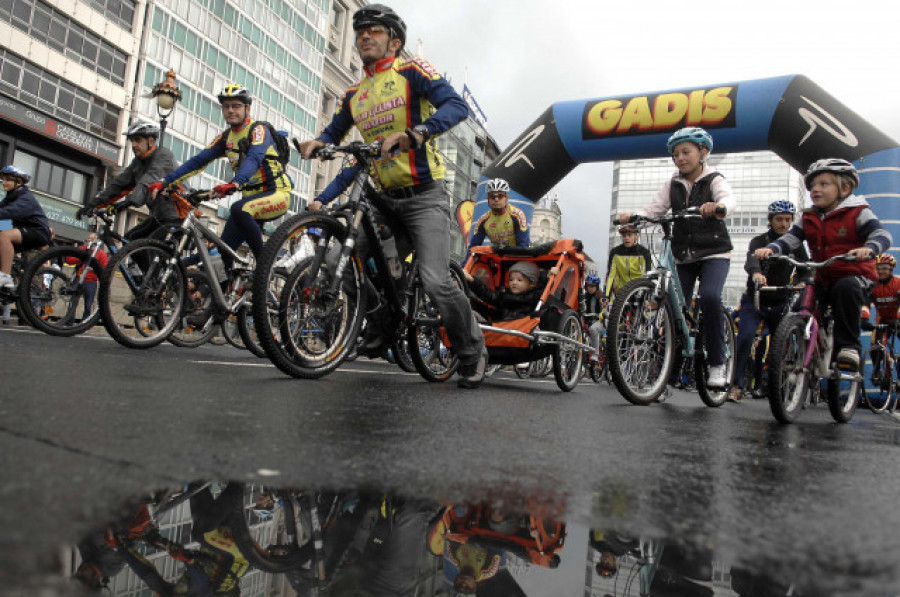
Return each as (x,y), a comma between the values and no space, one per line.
(816,264)
(691,213)
(357,149)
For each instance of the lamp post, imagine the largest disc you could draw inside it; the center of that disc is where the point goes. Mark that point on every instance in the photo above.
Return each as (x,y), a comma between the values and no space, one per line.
(166,94)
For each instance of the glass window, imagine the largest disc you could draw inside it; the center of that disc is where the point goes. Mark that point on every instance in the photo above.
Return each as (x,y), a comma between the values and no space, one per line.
(22,11)
(11,71)
(30,82)
(26,161)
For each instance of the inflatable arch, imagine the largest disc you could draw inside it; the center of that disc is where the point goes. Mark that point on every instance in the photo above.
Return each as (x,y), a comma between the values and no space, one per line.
(789,115)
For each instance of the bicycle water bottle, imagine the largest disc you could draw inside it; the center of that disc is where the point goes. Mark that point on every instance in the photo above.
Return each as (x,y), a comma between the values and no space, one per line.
(218,267)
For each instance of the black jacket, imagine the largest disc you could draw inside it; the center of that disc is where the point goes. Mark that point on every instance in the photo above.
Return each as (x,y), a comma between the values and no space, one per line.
(777,273)
(695,239)
(135,179)
(21,206)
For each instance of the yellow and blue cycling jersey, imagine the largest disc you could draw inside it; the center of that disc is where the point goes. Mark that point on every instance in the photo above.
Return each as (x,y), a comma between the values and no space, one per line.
(257,171)
(508,229)
(397,94)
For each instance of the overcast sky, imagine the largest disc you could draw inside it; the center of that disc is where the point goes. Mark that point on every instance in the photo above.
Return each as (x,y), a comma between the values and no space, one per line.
(521,56)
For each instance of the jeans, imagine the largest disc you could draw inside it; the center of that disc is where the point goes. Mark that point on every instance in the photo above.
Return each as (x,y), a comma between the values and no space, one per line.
(712,274)
(750,319)
(427,220)
(90,291)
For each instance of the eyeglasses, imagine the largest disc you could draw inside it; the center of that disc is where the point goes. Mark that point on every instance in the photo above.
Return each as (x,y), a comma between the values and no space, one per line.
(372,31)
(496,195)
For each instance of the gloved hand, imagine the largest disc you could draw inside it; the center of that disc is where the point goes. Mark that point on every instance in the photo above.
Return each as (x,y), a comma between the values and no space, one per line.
(119,207)
(224,189)
(154,188)
(84,211)
(867,325)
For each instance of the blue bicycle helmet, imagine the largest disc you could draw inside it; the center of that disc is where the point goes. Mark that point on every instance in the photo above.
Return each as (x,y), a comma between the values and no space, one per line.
(694,134)
(16,172)
(593,280)
(781,207)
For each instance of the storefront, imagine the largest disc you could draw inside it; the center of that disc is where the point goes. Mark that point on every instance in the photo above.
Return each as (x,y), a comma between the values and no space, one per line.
(67,165)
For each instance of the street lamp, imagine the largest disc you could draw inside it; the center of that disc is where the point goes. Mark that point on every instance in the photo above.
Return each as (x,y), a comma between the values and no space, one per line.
(166,94)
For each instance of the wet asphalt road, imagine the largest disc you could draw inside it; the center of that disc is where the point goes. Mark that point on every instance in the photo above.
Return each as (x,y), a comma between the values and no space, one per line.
(86,423)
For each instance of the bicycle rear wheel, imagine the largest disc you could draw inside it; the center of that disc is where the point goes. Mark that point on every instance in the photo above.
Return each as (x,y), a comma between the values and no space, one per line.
(432,358)
(142,294)
(879,387)
(789,381)
(568,357)
(50,298)
(711,397)
(640,343)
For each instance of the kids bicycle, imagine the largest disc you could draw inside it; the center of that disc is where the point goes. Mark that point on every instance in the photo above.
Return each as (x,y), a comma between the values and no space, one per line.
(800,356)
(651,325)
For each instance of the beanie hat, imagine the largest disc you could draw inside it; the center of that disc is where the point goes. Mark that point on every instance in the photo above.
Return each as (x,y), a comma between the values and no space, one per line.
(527,269)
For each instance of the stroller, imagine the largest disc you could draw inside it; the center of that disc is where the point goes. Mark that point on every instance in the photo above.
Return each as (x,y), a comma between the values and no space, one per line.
(556,327)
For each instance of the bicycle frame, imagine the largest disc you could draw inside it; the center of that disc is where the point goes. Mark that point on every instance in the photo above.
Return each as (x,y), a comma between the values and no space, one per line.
(668,285)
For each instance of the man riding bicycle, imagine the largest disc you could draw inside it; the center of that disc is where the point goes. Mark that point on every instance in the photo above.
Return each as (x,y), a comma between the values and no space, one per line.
(30,230)
(763,273)
(151,161)
(406,103)
(258,172)
(504,224)
(886,296)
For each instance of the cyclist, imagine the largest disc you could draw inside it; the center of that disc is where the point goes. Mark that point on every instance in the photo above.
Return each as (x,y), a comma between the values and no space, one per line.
(406,103)
(626,261)
(30,230)
(771,306)
(702,247)
(150,163)
(258,173)
(504,224)
(593,307)
(838,222)
(886,296)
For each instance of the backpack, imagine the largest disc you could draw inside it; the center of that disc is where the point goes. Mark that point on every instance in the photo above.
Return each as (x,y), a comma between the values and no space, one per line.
(279,138)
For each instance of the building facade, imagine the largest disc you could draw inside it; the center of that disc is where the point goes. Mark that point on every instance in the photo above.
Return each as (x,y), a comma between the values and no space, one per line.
(757,178)
(67,70)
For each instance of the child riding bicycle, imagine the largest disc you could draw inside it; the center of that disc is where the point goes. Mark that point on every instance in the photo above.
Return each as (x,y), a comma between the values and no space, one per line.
(702,247)
(839,222)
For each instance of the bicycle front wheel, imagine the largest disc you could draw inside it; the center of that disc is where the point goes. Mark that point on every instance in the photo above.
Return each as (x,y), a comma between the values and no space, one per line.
(640,343)
(788,377)
(54,298)
(432,358)
(843,397)
(711,397)
(878,387)
(142,294)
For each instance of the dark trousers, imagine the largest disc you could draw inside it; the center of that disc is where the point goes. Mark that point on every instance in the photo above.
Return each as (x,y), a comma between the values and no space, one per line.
(750,319)
(712,274)
(846,298)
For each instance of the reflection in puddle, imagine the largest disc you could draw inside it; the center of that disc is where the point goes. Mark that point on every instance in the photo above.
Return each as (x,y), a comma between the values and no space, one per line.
(252,540)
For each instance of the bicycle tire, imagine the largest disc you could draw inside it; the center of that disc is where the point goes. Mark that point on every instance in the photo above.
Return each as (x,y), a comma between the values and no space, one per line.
(522,372)
(141,300)
(276,558)
(400,350)
(712,398)
(52,308)
(434,361)
(640,343)
(192,335)
(231,333)
(789,382)
(878,396)
(843,398)
(567,357)
(247,331)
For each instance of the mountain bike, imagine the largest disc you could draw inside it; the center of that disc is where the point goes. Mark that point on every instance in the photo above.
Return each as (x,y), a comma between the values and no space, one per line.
(651,324)
(315,322)
(144,291)
(881,387)
(800,356)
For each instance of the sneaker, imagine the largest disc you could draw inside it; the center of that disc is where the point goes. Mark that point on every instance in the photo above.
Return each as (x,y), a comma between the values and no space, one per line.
(666,394)
(735,394)
(848,358)
(716,378)
(6,281)
(472,374)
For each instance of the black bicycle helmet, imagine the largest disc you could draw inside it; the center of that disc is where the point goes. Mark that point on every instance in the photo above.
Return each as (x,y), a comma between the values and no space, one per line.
(379,14)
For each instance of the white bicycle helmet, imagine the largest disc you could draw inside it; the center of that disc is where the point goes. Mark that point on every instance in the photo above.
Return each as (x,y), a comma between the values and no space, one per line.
(833,165)
(143,128)
(497,185)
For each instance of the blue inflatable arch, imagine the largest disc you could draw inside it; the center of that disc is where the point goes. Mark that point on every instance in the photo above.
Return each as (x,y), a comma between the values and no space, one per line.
(790,115)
